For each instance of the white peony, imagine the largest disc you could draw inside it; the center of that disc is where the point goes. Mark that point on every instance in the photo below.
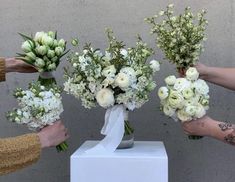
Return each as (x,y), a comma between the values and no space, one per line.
(163,93)
(170,80)
(201,87)
(181,84)
(105,97)
(192,74)
(155,65)
(122,80)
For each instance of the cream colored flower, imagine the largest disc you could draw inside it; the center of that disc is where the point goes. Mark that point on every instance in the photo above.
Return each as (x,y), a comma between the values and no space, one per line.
(122,80)
(163,93)
(201,87)
(109,71)
(105,97)
(181,84)
(155,65)
(192,74)
(183,116)
(169,111)
(175,100)
(170,80)
(200,111)
(188,93)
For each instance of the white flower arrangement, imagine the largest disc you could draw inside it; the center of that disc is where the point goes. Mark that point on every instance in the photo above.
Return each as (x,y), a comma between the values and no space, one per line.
(118,76)
(43,51)
(39,106)
(185,99)
(179,37)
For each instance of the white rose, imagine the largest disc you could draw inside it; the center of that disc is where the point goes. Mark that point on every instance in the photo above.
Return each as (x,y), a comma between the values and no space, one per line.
(122,80)
(109,71)
(169,111)
(163,93)
(183,116)
(188,93)
(181,84)
(175,100)
(201,87)
(155,65)
(105,97)
(170,80)
(192,74)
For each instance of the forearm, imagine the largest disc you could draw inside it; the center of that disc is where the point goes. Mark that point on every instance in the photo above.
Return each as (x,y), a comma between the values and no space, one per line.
(223,131)
(18,152)
(221,76)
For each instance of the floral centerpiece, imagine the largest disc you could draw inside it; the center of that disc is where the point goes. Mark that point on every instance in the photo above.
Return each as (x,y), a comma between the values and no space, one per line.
(179,37)
(39,106)
(44,52)
(185,99)
(118,80)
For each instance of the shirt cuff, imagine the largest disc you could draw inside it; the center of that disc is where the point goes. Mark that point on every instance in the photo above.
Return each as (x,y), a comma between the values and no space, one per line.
(2,69)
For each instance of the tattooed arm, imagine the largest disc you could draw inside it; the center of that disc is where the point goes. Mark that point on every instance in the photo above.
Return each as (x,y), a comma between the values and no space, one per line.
(208,127)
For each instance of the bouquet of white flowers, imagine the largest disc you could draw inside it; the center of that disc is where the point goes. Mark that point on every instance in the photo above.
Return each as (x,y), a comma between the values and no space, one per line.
(43,51)
(38,107)
(179,37)
(117,77)
(185,98)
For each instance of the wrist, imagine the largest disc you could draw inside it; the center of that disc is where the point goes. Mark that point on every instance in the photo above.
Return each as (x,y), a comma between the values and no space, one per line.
(211,126)
(44,142)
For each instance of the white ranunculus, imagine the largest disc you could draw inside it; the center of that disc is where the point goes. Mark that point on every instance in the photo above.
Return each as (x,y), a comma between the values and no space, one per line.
(201,87)
(192,74)
(169,111)
(163,93)
(183,116)
(175,100)
(105,97)
(181,84)
(200,111)
(188,93)
(122,80)
(155,65)
(109,71)
(170,80)
(27,46)
(191,110)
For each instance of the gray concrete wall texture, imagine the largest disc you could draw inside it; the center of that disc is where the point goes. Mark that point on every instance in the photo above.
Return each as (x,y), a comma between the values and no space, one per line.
(189,161)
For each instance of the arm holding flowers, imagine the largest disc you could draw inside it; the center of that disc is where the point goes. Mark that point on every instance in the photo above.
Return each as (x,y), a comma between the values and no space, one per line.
(219,76)
(207,126)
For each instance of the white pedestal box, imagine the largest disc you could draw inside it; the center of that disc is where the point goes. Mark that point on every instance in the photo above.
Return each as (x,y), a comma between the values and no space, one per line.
(146,162)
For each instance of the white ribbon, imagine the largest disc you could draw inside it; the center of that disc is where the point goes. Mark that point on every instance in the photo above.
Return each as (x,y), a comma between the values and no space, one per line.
(113,130)
(46,75)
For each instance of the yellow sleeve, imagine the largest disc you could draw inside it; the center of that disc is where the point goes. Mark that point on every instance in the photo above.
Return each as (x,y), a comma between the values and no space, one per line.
(2,69)
(19,152)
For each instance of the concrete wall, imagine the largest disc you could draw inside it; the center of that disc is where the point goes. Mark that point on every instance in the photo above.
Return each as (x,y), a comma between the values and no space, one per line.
(189,161)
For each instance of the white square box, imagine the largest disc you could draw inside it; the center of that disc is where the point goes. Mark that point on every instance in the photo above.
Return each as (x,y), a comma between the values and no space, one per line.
(147,161)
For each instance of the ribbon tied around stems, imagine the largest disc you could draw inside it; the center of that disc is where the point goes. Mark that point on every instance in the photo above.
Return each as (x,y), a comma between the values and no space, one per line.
(46,75)
(113,130)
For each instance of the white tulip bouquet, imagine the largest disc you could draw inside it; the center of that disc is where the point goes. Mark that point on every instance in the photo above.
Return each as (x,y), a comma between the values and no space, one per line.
(185,99)
(179,37)
(38,107)
(43,51)
(118,80)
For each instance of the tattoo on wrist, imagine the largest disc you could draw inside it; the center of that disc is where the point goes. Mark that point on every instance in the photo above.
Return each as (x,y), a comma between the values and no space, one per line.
(225,126)
(230,138)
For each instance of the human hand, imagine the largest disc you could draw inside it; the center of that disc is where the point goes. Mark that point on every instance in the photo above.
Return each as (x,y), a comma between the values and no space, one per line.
(16,65)
(200,127)
(53,135)
(203,70)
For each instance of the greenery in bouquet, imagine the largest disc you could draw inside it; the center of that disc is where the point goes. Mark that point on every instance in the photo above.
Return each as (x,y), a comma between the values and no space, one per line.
(39,106)
(43,51)
(184,99)
(117,76)
(181,36)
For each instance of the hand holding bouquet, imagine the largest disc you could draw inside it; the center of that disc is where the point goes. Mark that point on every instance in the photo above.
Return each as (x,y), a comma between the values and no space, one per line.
(38,107)
(184,99)
(179,37)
